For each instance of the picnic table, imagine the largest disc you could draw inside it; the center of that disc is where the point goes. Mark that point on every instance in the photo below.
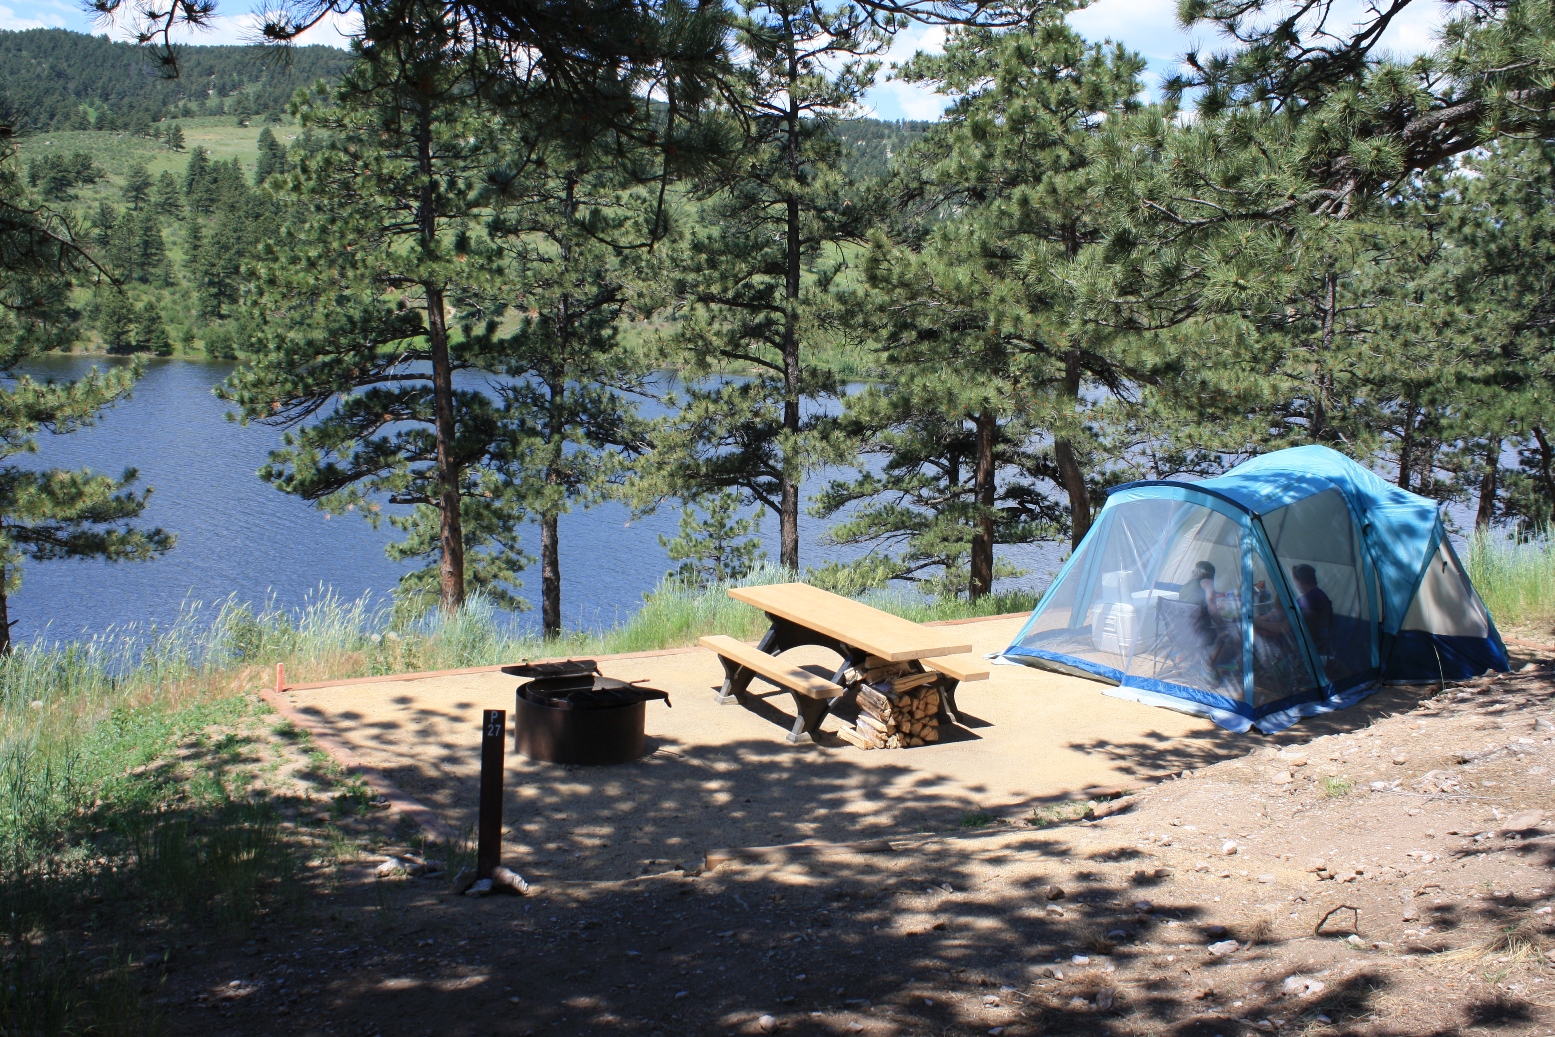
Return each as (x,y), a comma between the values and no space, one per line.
(867,639)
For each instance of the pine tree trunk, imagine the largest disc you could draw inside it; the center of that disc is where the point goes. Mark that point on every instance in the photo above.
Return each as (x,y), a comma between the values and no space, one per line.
(5,615)
(1406,446)
(981,575)
(1488,484)
(451,528)
(555,435)
(1546,464)
(788,515)
(1069,471)
(1317,425)
(550,577)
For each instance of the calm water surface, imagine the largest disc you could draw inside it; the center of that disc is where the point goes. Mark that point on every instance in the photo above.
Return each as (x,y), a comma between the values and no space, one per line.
(238,536)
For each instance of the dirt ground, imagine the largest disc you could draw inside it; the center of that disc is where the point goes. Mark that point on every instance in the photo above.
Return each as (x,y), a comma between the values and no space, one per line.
(1195,912)
(723,776)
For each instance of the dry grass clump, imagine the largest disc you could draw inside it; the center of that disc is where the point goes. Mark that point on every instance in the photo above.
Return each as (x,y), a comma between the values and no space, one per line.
(1520,944)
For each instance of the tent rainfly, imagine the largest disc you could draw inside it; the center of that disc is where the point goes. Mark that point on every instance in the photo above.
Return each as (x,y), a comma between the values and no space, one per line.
(1294,584)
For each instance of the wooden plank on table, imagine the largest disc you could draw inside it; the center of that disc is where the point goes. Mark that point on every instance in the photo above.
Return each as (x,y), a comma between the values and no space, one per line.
(786,674)
(892,638)
(960,667)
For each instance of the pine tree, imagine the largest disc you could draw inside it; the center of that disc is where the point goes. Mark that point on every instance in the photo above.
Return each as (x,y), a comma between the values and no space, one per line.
(754,278)
(52,513)
(150,262)
(168,199)
(175,137)
(976,318)
(104,218)
(349,310)
(570,427)
(202,184)
(194,249)
(116,321)
(137,186)
(272,157)
(716,548)
(1504,234)
(919,503)
(217,268)
(151,331)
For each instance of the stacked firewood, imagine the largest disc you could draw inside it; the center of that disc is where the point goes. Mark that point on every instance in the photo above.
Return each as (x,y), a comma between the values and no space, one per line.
(898,708)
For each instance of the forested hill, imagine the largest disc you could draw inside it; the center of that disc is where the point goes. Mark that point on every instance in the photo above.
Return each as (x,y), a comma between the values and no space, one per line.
(872,143)
(56,80)
(53,79)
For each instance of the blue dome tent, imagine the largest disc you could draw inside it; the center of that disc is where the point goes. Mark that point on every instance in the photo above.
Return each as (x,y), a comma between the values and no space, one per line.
(1294,584)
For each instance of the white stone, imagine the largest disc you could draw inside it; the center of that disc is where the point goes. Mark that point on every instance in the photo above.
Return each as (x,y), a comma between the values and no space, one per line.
(1301,986)
(1228,847)
(1523,820)
(767,1024)
(1224,947)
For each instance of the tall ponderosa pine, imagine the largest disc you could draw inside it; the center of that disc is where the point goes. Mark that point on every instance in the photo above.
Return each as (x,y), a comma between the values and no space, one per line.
(1504,231)
(976,316)
(753,281)
(571,230)
(52,513)
(350,308)
(272,157)
(137,187)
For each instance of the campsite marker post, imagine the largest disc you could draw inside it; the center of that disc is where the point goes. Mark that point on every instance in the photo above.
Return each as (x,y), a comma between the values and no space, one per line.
(488,852)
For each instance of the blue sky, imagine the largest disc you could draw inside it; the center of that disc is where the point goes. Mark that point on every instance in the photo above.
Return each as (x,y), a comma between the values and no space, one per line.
(1147,26)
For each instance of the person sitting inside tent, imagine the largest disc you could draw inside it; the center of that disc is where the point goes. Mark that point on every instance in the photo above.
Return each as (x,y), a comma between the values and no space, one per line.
(1200,588)
(1317,610)
(1221,637)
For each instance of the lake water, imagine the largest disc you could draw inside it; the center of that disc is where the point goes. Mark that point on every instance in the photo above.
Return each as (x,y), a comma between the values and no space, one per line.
(239,536)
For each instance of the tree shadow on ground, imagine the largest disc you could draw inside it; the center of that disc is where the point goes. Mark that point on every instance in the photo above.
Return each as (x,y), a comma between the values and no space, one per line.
(951,934)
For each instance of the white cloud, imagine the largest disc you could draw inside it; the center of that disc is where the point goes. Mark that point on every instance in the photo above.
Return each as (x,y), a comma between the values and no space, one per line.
(890,99)
(43,15)
(236,23)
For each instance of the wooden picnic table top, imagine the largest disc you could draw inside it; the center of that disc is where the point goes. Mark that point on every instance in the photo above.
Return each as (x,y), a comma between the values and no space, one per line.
(881,634)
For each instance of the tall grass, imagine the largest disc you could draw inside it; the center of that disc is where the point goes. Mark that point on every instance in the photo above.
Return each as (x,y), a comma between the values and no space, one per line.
(1515,575)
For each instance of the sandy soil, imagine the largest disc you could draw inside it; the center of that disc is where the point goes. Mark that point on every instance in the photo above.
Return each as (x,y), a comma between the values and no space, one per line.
(1144,922)
(723,776)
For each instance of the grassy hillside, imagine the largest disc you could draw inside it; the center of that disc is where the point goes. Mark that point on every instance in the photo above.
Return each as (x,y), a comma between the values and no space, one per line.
(118,151)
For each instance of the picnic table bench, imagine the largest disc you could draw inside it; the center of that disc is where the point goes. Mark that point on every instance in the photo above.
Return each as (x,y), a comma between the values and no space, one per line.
(866,638)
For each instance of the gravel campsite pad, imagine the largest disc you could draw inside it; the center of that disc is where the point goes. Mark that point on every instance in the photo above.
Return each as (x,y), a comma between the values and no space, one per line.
(1391,879)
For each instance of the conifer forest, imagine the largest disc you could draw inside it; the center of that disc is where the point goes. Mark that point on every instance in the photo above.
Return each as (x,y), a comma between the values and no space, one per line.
(458,258)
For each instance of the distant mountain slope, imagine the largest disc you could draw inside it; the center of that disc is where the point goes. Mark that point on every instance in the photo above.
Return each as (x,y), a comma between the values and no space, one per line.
(873,143)
(53,79)
(57,80)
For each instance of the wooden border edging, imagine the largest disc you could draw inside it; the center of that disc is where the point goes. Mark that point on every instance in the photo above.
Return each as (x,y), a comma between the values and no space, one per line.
(375,779)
